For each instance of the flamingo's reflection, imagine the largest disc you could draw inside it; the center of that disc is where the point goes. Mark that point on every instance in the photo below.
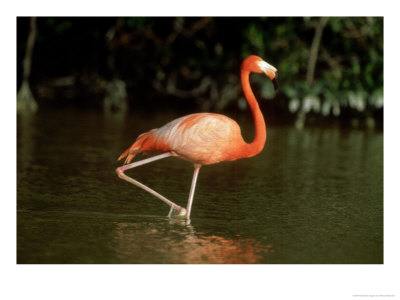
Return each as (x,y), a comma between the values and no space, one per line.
(174,241)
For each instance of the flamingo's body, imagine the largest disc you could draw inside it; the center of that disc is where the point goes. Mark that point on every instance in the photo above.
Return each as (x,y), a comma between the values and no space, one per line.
(203,138)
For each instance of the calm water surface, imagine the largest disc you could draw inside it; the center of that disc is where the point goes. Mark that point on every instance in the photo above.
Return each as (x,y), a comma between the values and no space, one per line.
(312,196)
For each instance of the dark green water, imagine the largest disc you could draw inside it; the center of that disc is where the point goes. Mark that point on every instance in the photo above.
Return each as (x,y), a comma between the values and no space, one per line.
(312,196)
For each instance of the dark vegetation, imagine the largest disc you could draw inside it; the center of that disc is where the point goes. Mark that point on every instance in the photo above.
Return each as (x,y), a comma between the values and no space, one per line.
(330,69)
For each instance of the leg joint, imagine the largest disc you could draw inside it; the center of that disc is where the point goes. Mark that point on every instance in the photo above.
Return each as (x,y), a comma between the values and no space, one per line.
(120,172)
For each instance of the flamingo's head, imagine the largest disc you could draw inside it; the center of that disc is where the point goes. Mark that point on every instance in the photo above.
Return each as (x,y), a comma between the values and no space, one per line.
(256,64)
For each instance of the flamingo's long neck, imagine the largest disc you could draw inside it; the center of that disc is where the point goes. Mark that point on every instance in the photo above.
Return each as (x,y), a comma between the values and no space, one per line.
(260,137)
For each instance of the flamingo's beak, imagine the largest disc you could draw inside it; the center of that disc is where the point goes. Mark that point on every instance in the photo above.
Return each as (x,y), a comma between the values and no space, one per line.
(270,71)
(275,82)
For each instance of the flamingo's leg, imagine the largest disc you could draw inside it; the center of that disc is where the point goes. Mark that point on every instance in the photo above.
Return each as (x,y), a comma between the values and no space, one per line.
(192,188)
(120,171)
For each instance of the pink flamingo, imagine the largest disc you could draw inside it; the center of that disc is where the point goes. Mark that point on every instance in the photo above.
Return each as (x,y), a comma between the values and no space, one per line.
(202,138)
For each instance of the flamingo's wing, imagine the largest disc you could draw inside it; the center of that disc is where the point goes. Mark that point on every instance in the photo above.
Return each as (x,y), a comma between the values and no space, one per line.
(202,138)
(151,141)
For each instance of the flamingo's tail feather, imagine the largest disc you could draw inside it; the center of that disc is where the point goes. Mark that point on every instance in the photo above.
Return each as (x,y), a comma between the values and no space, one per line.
(135,148)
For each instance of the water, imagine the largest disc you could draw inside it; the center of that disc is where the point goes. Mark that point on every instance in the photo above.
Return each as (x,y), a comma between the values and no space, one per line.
(312,196)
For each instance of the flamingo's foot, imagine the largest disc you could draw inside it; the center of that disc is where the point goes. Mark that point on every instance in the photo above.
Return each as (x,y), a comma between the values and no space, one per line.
(175,213)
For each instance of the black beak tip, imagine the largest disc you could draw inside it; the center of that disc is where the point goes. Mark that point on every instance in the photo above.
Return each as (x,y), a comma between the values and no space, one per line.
(275,82)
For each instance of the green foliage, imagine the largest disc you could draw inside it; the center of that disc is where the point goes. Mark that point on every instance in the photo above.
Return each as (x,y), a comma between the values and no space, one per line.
(349,68)
(199,58)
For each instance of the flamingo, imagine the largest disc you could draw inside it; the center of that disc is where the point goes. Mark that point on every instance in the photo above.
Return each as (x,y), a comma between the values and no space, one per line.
(202,138)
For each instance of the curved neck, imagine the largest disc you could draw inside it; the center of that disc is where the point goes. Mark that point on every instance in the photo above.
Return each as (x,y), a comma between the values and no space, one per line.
(260,136)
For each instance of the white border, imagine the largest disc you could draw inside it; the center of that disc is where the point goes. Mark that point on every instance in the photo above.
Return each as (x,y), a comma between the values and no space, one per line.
(193,281)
